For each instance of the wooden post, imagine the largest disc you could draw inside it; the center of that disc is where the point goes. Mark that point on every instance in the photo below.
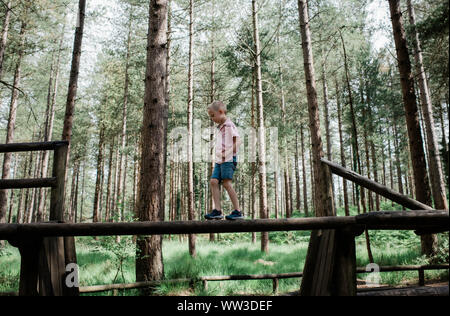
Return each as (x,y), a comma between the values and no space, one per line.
(29,264)
(344,272)
(421,277)
(275,286)
(51,267)
(58,191)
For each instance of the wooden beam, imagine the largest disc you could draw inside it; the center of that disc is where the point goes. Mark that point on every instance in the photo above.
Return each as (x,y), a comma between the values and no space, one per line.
(407,268)
(125,286)
(392,220)
(27,183)
(23,147)
(58,191)
(205,279)
(9,231)
(376,187)
(436,220)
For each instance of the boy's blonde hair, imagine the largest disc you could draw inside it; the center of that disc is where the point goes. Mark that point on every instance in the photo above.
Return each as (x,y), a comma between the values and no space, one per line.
(218,105)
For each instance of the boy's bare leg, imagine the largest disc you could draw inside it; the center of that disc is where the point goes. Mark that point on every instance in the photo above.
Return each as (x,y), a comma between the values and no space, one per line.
(215,191)
(232,193)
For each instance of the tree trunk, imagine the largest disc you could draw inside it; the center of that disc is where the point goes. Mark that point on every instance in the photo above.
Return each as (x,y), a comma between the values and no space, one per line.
(109,183)
(422,184)
(150,207)
(355,145)
(212,97)
(50,117)
(123,143)
(297,174)
(11,198)
(114,208)
(20,210)
(95,213)
(261,131)
(323,196)
(327,124)
(4,38)
(435,168)
(73,86)
(12,117)
(341,145)
(190,117)
(252,145)
(83,189)
(305,188)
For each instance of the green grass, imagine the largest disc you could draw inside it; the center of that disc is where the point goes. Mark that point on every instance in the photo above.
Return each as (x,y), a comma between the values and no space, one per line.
(99,262)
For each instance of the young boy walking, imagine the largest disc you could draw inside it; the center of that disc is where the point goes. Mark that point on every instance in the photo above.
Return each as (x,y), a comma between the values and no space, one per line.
(227,148)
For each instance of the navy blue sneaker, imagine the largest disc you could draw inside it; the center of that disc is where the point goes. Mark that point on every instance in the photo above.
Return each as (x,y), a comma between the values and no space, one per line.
(215,214)
(235,215)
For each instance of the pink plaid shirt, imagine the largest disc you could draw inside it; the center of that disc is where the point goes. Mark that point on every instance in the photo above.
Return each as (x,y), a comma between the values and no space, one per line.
(224,142)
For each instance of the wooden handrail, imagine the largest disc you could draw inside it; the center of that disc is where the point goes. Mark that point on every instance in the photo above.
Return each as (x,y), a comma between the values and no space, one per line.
(136,285)
(124,286)
(376,187)
(411,220)
(27,183)
(24,147)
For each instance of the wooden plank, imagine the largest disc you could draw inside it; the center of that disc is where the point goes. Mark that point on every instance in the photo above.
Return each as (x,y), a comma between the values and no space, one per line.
(310,266)
(344,274)
(376,187)
(411,218)
(438,220)
(242,277)
(58,191)
(407,268)
(29,263)
(136,285)
(24,147)
(176,227)
(52,267)
(27,183)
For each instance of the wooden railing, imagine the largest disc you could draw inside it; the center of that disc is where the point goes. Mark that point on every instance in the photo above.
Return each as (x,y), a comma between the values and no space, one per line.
(32,237)
(47,248)
(56,182)
(275,277)
(43,261)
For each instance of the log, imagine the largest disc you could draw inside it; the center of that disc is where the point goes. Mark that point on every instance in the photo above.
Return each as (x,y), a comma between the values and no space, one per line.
(24,147)
(391,220)
(407,268)
(438,220)
(27,183)
(376,187)
(58,191)
(125,286)
(205,279)
(242,277)
(9,231)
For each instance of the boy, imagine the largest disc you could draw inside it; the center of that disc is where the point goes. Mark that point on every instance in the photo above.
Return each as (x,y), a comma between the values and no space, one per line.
(227,147)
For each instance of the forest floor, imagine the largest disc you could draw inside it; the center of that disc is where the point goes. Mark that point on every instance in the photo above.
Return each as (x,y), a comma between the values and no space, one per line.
(104,261)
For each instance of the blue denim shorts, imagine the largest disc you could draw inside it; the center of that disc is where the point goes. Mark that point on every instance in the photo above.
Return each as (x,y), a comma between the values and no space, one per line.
(224,171)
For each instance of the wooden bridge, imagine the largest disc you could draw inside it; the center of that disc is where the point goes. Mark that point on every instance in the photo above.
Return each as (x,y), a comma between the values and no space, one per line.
(47,248)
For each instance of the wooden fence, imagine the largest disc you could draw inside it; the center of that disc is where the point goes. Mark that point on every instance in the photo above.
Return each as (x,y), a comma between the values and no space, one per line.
(47,248)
